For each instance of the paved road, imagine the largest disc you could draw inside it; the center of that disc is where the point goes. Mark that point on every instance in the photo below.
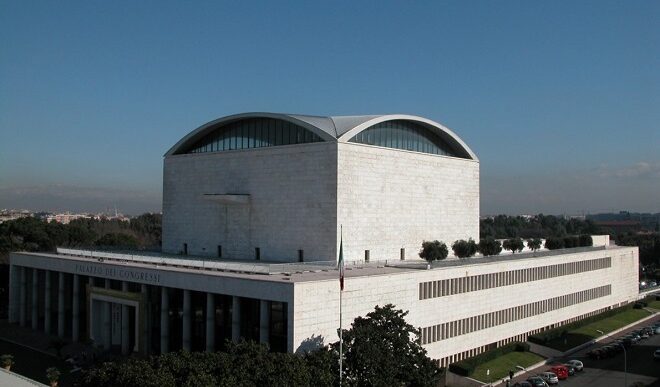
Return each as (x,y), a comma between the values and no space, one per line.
(609,372)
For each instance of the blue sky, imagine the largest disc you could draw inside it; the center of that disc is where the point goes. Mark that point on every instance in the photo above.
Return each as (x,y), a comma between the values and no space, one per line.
(560,100)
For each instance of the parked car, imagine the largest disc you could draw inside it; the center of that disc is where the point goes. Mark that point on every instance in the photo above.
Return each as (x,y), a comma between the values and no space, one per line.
(579,366)
(596,354)
(536,381)
(656,354)
(559,370)
(570,368)
(634,337)
(549,377)
(607,351)
(523,384)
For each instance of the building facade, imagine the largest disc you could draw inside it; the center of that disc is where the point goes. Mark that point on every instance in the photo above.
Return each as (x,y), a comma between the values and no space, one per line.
(278,187)
(253,211)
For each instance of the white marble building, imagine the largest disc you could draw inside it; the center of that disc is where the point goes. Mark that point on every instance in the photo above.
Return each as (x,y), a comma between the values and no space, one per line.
(392,181)
(252,210)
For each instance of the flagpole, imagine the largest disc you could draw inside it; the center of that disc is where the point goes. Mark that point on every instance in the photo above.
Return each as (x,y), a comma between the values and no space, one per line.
(341,290)
(341,339)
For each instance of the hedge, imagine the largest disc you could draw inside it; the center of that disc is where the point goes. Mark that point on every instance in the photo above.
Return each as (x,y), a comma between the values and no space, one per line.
(467,366)
(542,338)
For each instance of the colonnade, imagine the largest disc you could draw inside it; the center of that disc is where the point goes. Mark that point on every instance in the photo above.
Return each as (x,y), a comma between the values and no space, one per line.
(21,314)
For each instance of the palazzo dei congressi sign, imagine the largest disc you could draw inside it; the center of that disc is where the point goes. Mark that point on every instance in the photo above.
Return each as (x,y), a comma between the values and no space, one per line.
(124,274)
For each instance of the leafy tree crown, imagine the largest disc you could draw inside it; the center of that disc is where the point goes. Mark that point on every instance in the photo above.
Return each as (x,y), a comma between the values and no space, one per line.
(513,245)
(433,251)
(489,246)
(464,249)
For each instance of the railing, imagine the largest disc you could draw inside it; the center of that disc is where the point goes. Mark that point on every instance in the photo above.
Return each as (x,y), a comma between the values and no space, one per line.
(201,263)
(269,268)
(504,256)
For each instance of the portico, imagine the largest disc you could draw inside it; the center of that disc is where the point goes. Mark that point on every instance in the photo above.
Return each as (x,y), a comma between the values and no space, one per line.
(160,309)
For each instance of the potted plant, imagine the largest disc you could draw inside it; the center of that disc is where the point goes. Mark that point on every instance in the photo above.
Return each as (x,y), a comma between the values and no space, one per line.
(7,361)
(53,375)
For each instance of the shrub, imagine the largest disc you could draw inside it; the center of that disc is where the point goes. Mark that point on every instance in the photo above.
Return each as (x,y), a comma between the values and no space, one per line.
(464,249)
(534,244)
(585,240)
(7,360)
(433,251)
(571,241)
(466,367)
(554,243)
(489,246)
(53,374)
(513,245)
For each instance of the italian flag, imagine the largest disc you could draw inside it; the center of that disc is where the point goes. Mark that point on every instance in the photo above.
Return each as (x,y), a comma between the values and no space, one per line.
(341,263)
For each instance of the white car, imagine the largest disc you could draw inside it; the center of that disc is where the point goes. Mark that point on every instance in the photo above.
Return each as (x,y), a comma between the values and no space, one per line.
(549,377)
(576,364)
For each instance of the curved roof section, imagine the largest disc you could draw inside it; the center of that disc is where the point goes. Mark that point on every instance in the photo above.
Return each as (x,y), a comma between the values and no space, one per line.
(336,128)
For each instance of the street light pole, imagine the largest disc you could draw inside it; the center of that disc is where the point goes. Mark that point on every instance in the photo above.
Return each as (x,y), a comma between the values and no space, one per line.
(625,359)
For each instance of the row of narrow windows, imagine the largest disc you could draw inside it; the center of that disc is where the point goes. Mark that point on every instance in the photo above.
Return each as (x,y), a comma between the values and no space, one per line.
(266,132)
(253,133)
(471,324)
(446,361)
(406,135)
(448,287)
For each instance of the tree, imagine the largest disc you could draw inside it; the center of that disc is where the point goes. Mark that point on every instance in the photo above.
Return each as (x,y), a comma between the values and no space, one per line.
(534,244)
(585,240)
(7,361)
(571,241)
(382,349)
(117,240)
(554,243)
(323,366)
(464,249)
(514,245)
(433,251)
(489,246)
(53,375)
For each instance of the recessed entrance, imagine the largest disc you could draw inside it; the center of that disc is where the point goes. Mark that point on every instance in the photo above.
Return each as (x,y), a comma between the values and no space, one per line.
(115,318)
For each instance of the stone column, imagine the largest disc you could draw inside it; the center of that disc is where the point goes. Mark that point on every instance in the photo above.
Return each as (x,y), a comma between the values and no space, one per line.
(264,321)
(75,309)
(210,322)
(23,297)
(124,322)
(236,319)
(60,305)
(35,299)
(164,320)
(107,320)
(146,320)
(47,304)
(186,320)
(14,293)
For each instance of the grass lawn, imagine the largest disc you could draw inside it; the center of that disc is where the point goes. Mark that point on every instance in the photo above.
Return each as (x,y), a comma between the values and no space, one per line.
(500,367)
(653,303)
(589,332)
(33,364)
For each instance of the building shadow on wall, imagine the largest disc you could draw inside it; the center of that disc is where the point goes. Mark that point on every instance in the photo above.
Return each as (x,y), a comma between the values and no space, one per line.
(311,344)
